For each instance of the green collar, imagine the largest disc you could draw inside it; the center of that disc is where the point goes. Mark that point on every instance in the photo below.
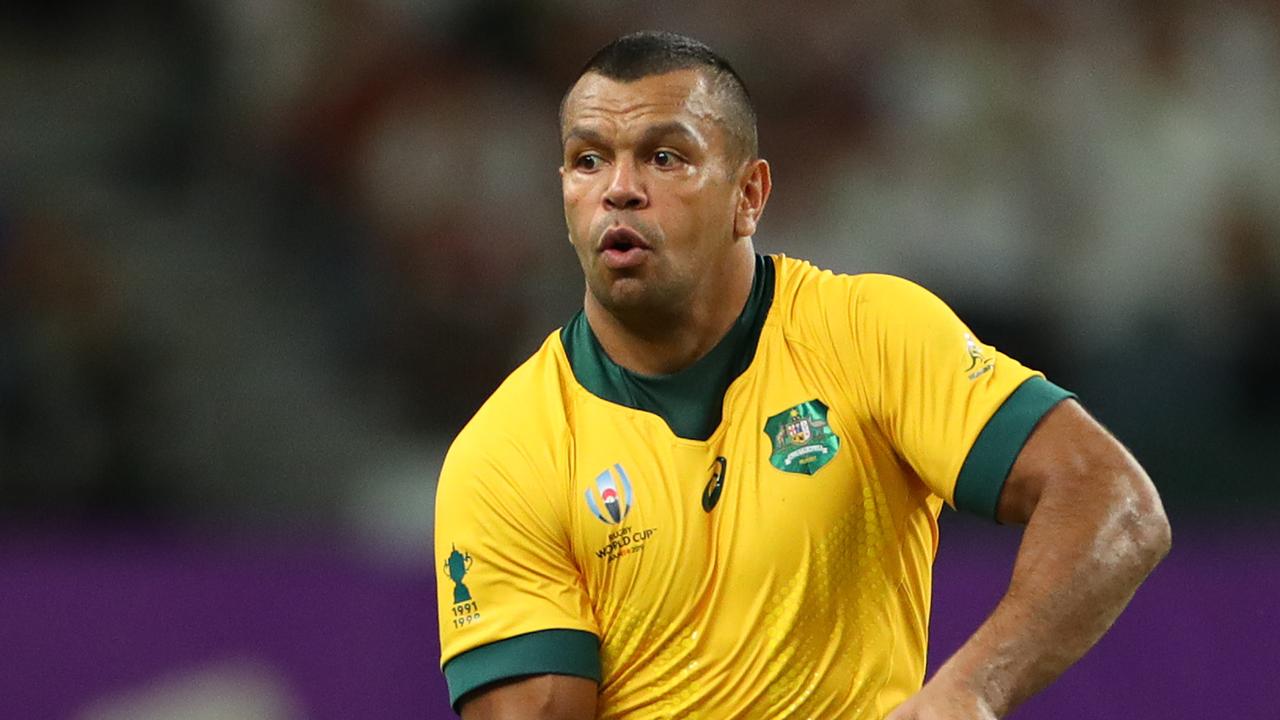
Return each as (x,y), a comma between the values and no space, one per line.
(691,400)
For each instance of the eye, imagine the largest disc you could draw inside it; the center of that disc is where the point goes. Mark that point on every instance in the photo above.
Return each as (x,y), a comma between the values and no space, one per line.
(665,159)
(587,162)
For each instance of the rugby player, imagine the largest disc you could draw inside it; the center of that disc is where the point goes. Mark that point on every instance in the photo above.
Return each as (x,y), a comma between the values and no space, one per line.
(714,492)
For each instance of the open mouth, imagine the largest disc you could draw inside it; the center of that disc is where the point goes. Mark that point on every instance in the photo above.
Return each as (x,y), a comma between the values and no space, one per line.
(622,239)
(621,248)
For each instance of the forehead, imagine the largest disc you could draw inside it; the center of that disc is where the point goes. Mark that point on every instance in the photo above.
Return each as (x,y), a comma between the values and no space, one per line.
(618,105)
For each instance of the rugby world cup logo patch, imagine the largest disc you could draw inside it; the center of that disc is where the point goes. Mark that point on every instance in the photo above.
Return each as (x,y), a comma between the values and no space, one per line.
(611,499)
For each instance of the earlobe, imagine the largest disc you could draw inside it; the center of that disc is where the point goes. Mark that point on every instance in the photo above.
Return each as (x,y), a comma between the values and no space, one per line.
(744,222)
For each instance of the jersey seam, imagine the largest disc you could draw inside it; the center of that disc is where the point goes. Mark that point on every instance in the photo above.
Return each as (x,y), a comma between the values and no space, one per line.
(859,379)
(897,573)
(815,355)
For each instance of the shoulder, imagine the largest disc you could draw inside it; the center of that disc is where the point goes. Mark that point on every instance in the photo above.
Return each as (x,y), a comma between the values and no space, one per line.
(526,418)
(812,299)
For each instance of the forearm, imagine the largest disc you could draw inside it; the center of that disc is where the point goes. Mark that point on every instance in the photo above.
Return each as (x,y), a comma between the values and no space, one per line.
(1082,557)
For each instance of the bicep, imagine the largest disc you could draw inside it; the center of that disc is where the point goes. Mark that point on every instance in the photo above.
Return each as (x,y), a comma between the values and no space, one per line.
(538,697)
(955,409)
(1070,455)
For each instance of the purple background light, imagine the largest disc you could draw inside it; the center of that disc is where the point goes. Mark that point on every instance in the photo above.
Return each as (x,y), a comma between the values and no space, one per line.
(87,617)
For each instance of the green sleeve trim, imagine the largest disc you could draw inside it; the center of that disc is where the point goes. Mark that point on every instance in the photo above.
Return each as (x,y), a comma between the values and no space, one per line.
(546,652)
(991,458)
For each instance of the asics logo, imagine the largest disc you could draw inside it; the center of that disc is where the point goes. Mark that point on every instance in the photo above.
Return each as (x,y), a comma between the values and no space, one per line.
(711,493)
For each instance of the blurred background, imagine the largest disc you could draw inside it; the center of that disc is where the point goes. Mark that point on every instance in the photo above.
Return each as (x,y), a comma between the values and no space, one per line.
(261,259)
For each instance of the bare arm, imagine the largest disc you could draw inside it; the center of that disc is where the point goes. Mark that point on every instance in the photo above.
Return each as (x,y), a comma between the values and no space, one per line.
(1095,530)
(541,697)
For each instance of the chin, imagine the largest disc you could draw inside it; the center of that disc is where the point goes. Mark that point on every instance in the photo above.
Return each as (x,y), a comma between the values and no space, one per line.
(624,295)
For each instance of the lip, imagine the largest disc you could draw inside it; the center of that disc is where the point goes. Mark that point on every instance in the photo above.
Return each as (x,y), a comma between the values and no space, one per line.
(622,238)
(622,248)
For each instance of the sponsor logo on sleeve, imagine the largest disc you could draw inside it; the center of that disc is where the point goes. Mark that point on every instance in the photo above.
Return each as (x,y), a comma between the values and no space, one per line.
(465,609)
(981,360)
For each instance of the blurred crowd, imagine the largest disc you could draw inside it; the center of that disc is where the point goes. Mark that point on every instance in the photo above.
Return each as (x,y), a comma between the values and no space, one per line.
(259,260)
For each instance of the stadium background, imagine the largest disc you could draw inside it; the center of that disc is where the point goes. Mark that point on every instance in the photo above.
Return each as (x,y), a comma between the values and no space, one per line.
(260,259)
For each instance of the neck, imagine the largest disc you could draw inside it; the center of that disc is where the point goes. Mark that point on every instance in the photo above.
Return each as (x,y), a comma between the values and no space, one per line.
(664,343)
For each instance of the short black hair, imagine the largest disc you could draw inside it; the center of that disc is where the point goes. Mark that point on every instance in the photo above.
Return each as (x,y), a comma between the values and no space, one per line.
(642,54)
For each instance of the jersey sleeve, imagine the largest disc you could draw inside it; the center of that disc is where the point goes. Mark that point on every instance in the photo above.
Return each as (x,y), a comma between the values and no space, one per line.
(511,600)
(957,410)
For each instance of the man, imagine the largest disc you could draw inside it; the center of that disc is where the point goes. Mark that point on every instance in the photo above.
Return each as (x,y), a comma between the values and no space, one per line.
(714,493)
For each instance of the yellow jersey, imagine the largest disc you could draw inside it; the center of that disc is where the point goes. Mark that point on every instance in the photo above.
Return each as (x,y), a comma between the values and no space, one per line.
(751,537)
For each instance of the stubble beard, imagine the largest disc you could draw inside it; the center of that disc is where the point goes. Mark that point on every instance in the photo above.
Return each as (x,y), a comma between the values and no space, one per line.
(646,299)
(647,303)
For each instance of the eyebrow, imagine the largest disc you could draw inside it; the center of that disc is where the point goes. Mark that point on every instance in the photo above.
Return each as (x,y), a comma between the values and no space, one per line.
(671,127)
(586,135)
(650,135)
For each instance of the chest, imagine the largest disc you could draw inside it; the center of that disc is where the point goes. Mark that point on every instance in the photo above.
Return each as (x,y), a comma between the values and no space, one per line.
(674,526)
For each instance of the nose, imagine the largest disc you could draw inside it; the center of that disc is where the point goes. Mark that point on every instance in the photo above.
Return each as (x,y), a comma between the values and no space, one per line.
(625,191)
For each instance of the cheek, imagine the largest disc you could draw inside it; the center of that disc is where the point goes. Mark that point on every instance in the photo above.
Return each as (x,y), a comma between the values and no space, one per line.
(572,205)
(578,216)
(578,196)
(707,210)
(569,193)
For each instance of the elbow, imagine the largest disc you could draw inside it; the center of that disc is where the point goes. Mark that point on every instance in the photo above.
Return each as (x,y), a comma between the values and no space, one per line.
(1154,539)
(1160,540)
(1146,526)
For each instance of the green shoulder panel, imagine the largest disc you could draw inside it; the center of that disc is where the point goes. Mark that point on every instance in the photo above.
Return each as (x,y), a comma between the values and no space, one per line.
(546,652)
(992,456)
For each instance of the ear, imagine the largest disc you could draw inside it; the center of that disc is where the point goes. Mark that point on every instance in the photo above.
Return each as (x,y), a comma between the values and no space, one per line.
(568,234)
(753,193)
